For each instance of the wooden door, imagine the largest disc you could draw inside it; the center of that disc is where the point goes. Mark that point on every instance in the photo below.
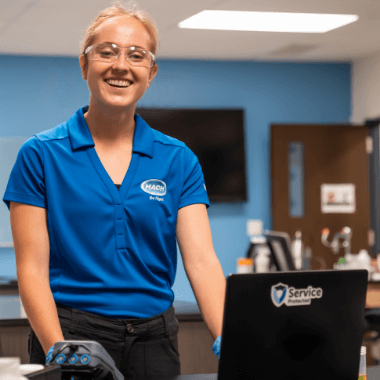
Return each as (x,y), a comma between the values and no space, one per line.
(332,154)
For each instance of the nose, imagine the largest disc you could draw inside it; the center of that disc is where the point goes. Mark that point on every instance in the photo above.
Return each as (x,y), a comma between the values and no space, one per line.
(121,63)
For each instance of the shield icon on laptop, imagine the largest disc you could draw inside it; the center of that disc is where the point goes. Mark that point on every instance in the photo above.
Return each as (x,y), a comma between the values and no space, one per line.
(278,294)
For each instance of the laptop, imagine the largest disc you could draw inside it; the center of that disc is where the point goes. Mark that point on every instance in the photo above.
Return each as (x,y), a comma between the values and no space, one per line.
(293,325)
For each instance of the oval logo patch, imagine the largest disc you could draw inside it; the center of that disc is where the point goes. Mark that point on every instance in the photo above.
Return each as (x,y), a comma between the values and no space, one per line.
(154,187)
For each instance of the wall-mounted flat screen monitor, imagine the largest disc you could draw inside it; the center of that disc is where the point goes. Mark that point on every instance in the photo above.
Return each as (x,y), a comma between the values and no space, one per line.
(216,136)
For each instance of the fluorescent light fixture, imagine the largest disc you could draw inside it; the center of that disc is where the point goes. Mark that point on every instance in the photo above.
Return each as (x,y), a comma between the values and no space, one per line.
(267,21)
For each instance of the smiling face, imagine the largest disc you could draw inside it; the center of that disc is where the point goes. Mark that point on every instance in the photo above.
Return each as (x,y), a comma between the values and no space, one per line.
(117,84)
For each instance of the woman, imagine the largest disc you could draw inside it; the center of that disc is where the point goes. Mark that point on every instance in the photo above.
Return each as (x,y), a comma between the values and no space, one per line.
(96,204)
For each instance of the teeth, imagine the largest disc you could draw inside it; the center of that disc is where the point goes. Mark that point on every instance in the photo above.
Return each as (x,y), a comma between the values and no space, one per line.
(120,83)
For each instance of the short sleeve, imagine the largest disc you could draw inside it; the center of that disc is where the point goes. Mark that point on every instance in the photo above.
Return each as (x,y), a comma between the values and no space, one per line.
(194,188)
(26,183)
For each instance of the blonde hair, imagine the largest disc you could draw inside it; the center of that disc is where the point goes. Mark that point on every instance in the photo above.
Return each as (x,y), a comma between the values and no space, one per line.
(118,9)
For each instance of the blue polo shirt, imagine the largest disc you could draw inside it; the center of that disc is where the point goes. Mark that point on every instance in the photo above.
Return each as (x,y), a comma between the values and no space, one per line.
(112,252)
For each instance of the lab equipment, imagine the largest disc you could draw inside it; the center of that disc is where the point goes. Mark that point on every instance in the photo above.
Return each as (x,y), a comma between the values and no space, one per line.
(345,234)
(84,360)
(258,250)
(52,372)
(279,246)
(362,260)
(270,250)
(351,261)
(244,265)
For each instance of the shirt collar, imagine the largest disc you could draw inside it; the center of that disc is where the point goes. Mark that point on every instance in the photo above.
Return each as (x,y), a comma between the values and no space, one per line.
(80,135)
(78,130)
(143,137)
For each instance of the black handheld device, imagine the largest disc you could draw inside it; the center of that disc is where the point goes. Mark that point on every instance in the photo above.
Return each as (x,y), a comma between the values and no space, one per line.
(84,359)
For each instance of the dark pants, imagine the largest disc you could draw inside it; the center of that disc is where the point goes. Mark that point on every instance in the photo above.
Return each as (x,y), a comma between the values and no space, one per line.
(142,349)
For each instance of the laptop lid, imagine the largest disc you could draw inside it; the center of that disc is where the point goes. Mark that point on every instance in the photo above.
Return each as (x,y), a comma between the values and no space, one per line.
(293,325)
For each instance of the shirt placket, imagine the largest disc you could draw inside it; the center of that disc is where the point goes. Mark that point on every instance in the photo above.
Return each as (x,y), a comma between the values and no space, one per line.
(119,226)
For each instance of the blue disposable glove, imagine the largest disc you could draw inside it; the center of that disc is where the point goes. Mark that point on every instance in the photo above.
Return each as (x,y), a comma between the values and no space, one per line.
(49,355)
(216,346)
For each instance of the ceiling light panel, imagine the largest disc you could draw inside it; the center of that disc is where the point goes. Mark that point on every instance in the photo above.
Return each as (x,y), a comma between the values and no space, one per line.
(267,21)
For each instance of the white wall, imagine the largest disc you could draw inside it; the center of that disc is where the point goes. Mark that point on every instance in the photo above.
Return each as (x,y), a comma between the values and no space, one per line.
(365,89)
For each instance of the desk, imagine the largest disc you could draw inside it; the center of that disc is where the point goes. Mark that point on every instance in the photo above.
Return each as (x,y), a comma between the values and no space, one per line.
(373,373)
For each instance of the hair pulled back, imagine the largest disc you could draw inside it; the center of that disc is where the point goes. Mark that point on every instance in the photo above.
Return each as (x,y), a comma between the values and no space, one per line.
(119,9)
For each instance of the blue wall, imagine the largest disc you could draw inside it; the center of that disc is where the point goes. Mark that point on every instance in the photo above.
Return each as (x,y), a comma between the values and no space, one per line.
(38,93)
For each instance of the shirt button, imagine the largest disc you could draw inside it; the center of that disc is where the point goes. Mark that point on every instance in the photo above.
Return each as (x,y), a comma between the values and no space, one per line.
(129,328)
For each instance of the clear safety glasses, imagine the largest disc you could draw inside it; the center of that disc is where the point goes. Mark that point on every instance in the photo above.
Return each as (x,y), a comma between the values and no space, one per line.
(108,52)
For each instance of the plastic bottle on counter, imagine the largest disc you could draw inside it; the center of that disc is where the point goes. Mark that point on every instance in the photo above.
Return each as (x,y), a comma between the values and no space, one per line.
(363,363)
(262,260)
(244,265)
(297,248)
(258,250)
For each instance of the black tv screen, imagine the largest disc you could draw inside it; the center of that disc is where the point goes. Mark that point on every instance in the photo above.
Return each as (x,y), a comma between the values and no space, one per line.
(216,137)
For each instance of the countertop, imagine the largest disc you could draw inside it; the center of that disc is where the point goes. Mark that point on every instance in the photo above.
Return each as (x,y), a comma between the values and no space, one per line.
(10,305)
(372,374)
(10,309)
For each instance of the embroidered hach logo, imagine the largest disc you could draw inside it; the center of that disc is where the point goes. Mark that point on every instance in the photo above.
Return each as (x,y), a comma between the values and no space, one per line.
(154,187)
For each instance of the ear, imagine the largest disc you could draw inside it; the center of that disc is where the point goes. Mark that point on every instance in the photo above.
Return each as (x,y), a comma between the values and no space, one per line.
(152,73)
(83,66)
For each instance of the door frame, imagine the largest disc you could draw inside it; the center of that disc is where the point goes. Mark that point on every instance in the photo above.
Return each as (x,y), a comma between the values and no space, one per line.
(373,126)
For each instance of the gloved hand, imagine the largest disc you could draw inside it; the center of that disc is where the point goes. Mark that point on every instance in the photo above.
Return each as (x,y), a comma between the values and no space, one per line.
(49,355)
(216,346)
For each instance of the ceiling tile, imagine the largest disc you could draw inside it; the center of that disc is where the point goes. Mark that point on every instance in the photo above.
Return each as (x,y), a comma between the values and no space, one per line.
(56,27)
